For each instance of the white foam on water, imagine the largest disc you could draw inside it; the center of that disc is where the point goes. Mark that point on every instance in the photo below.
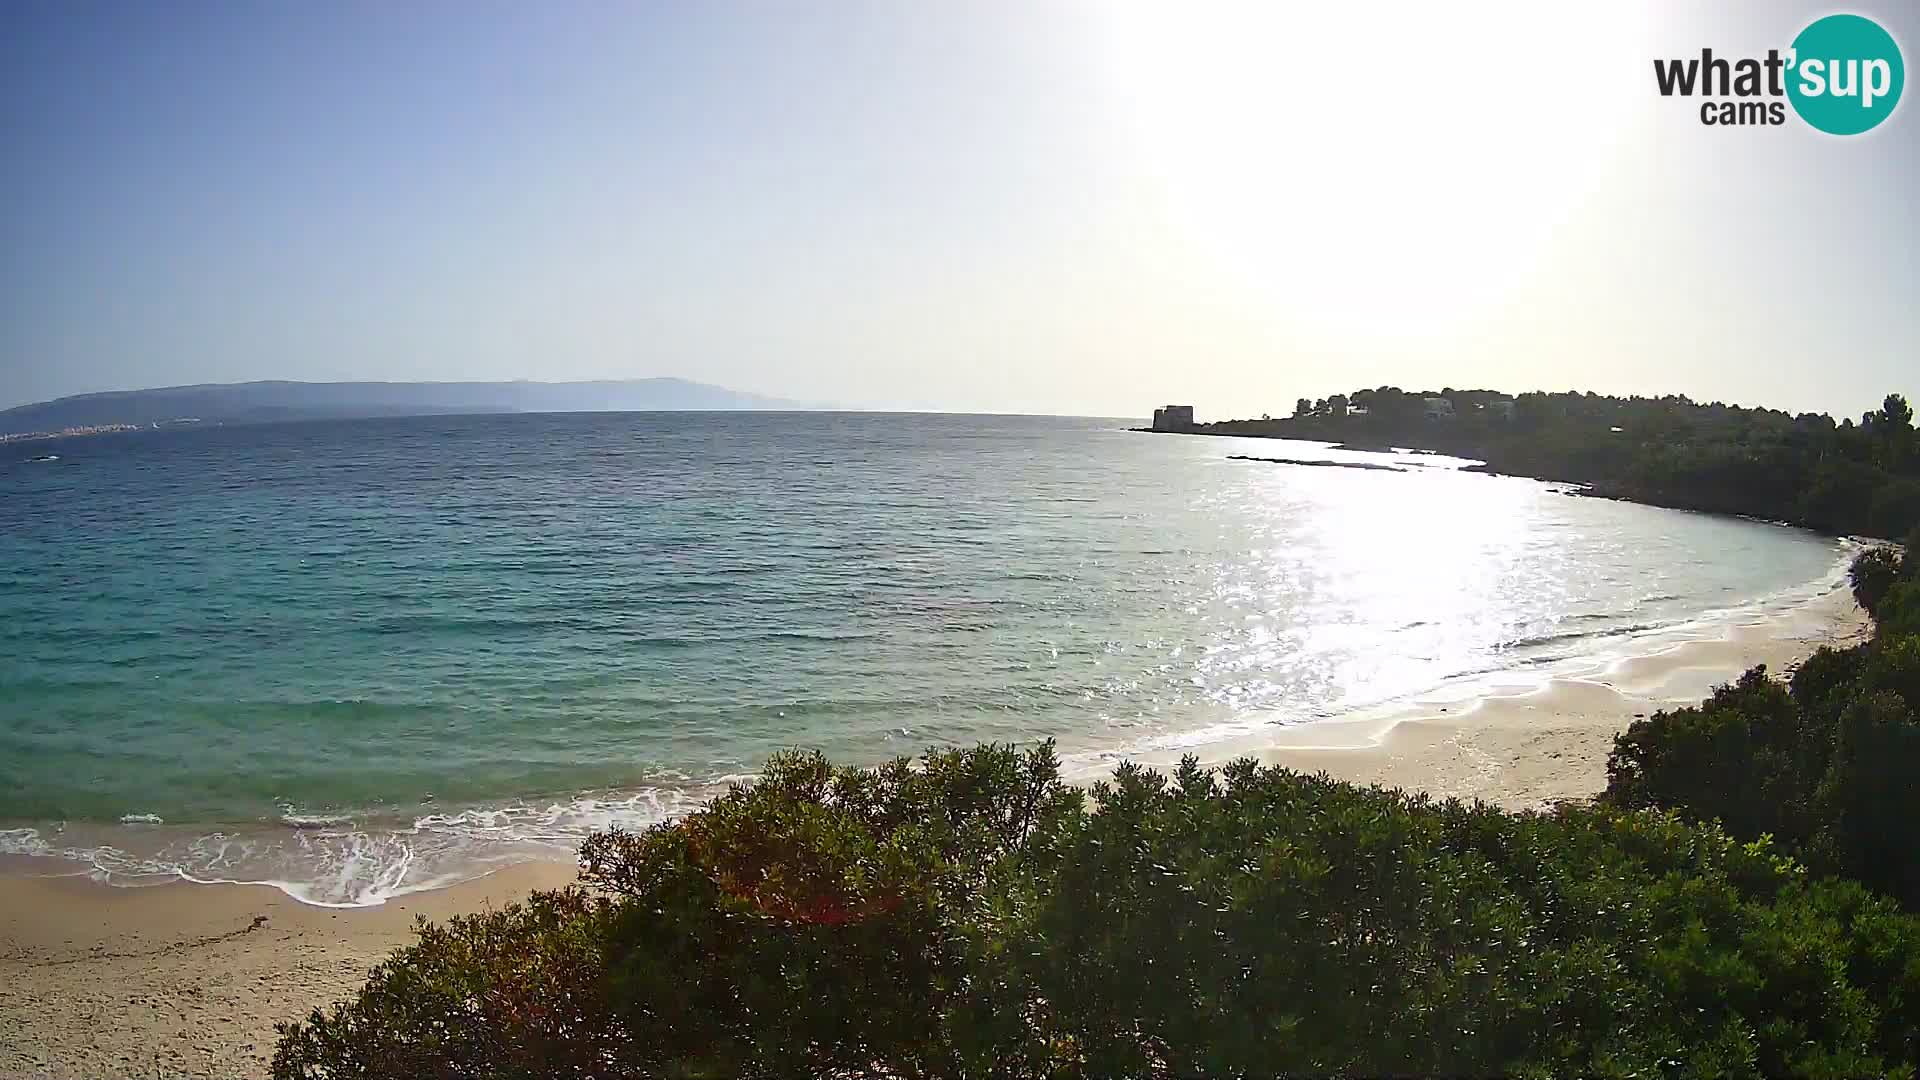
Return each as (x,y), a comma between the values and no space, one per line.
(343,860)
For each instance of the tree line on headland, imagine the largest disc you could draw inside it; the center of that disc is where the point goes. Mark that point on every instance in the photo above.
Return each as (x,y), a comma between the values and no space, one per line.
(1845,477)
(1742,901)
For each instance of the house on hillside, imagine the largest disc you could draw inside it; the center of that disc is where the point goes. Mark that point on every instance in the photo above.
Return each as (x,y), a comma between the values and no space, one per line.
(1500,409)
(1439,408)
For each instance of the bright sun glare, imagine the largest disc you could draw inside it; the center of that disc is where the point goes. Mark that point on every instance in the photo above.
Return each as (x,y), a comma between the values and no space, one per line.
(1390,174)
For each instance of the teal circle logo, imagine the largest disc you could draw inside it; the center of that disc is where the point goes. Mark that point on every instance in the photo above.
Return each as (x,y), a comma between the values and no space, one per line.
(1846,74)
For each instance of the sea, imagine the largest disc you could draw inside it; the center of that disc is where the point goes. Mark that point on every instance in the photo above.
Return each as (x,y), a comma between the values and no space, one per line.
(358,659)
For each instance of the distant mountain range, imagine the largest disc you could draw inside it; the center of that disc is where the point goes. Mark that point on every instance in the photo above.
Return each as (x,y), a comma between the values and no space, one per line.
(263,402)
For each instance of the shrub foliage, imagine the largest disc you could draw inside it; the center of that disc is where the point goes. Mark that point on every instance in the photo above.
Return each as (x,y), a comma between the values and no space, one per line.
(975,916)
(1825,764)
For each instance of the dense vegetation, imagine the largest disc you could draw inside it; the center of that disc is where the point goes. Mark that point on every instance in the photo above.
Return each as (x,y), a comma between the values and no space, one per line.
(1827,764)
(976,917)
(1844,478)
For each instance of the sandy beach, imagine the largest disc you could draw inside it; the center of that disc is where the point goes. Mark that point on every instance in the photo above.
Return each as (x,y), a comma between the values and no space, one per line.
(1529,750)
(177,980)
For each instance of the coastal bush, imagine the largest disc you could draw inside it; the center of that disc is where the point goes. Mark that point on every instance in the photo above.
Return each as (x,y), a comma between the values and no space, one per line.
(517,992)
(1873,574)
(1826,769)
(975,916)
(1260,922)
(818,922)
(1825,766)
(1900,609)
(1868,801)
(1824,682)
(1745,757)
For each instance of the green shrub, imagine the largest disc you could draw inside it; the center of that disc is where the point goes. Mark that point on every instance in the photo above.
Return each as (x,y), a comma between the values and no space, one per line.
(517,992)
(1900,611)
(1826,767)
(1745,757)
(1868,801)
(1873,574)
(1283,924)
(1824,684)
(975,917)
(811,924)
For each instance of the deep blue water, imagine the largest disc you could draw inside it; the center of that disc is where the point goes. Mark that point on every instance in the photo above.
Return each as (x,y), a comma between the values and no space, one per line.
(359,656)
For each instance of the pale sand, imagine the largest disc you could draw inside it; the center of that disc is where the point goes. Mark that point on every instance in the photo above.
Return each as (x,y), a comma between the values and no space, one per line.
(1529,750)
(168,981)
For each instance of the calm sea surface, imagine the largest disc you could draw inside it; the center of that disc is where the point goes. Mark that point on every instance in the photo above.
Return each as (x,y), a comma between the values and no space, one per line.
(364,657)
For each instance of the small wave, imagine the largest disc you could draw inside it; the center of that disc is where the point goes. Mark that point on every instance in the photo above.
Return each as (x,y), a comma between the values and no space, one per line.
(142,819)
(293,820)
(1577,635)
(809,635)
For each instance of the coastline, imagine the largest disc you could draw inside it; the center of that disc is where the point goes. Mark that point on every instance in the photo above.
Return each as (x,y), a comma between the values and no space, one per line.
(1528,747)
(168,980)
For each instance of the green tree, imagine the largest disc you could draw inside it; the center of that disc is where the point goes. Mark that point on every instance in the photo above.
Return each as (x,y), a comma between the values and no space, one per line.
(1896,415)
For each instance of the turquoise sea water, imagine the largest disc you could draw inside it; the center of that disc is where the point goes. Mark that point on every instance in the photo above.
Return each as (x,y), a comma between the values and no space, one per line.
(358,658)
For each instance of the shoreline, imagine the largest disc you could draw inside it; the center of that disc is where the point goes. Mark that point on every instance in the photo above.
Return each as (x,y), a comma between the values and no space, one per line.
(433,853)
(169,979)
(1482,465)
(1529,747)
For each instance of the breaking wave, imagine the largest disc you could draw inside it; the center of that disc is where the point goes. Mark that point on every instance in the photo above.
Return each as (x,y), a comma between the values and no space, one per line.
(341,860)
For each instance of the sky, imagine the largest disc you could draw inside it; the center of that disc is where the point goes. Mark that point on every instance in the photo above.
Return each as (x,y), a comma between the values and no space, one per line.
(1054,206)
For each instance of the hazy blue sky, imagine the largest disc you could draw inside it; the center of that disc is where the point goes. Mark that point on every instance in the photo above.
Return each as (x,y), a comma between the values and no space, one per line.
(1004,205)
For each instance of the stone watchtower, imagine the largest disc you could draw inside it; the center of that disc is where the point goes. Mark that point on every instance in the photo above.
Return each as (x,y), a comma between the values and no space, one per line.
(1173,418)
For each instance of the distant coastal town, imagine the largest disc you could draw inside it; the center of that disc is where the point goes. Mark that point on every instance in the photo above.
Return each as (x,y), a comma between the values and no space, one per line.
(79,430)
(67,433)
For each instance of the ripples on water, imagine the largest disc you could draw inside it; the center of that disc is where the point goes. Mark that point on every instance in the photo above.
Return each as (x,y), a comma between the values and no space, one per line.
(361,657)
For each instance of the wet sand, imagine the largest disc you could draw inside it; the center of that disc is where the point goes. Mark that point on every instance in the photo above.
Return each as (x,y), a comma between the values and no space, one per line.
(176,981)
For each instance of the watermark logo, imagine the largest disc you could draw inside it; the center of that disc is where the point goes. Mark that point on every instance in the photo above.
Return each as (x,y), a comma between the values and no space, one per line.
(1850,74)
(1843,75)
